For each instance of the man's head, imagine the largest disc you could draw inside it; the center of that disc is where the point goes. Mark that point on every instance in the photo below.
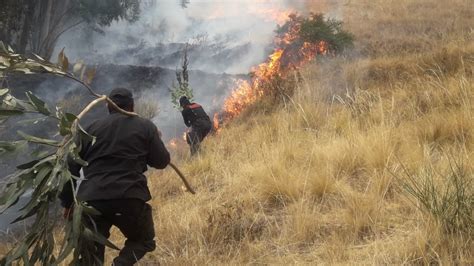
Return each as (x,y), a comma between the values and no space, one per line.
(123,98)
(183,101)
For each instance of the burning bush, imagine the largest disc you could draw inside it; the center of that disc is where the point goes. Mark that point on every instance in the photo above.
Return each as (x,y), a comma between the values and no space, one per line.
(298,41)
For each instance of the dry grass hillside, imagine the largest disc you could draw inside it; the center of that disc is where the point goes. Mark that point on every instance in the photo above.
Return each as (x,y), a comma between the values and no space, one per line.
(325,177)
(369,162)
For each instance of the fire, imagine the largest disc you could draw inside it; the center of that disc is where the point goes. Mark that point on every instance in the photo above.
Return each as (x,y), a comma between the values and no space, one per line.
(215,122)
(273,14)
(173,143)
(290,53)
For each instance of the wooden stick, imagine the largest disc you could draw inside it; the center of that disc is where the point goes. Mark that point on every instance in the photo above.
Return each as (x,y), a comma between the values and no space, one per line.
(188,186)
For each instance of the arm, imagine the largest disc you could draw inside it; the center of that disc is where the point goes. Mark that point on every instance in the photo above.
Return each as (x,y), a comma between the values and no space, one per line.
(158,156)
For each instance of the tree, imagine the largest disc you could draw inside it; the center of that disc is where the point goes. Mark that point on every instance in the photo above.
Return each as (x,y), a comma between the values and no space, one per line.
(46,175)
(182,89)
(184,3)
(35,26)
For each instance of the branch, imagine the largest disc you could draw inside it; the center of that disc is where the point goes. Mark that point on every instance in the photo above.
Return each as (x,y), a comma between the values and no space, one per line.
(109,101)
(91,105)
(66,29)
(186,183)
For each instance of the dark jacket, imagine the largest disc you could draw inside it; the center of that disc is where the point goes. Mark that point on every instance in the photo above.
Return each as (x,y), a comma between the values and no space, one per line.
(195,116)
(123,148)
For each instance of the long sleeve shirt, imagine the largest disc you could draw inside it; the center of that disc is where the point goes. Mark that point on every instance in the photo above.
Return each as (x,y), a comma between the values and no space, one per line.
(123,148)
(194,115)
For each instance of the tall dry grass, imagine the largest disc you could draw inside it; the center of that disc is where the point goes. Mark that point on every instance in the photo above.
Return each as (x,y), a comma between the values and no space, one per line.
(322,176)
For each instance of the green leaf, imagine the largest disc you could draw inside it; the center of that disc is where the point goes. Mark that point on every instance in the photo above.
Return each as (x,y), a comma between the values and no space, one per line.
(64,127)
(11,146)
(89,76)
(39,104)
(18,193)
(38,57)
(33,121)
(89,234)
(37,162)
(76,220)
(91,210)
(9,112)
(7,194)
(60,56)
(42,173)
(28,213)
(65,124)
(34,139)
(85,136)
(69,245)
(27,165)
(3,48)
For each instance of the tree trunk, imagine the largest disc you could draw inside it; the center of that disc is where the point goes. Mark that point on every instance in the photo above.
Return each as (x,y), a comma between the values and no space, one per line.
(53,18)
(26,30)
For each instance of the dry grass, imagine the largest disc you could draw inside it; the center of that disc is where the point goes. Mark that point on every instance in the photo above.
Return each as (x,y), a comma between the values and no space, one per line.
(320,179)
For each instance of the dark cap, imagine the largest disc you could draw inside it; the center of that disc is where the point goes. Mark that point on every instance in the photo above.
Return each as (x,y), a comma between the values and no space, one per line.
(184,101)
(122,97)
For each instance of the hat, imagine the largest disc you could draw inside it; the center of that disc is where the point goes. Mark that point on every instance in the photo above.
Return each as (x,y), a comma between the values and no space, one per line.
(121,97)
(184,101)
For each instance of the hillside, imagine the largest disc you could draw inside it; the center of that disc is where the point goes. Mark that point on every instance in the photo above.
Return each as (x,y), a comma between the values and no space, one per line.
(369,161)
(320,178)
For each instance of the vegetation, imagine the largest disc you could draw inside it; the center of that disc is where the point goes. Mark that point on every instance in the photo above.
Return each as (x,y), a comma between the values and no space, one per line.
(317,28)
(147,107)
(47,175)
(362,164)
(35,26)
(323,177)
(183,88)
(448,196)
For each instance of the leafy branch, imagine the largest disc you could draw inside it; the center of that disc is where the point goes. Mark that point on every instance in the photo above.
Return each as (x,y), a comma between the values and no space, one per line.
(182,89)
(45,177)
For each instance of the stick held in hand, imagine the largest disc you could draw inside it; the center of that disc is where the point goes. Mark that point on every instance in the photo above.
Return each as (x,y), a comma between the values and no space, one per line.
(188,186)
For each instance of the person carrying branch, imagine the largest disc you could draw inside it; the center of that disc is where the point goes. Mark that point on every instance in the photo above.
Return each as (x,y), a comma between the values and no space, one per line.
(114,182)
(195,117)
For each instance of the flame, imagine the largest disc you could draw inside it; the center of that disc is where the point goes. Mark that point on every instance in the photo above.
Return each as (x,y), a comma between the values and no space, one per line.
(173,143)
(273,14)
(289,54)
(215,122)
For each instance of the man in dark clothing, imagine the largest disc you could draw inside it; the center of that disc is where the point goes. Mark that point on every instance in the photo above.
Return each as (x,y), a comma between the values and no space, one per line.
(114,183)
(195,117)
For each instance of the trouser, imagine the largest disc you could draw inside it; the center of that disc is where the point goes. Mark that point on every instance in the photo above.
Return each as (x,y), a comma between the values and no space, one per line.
(195,137)
(134,219)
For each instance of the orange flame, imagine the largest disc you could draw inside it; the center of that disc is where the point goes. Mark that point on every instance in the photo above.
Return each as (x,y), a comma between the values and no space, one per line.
(173,143)
(215,122)
(290,54)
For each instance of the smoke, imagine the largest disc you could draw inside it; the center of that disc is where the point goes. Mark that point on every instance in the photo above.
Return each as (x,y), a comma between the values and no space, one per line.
(219,25)
(224,37)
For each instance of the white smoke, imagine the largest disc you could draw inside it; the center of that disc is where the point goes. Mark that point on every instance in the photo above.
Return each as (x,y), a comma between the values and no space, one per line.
(229,23)
(236,35)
